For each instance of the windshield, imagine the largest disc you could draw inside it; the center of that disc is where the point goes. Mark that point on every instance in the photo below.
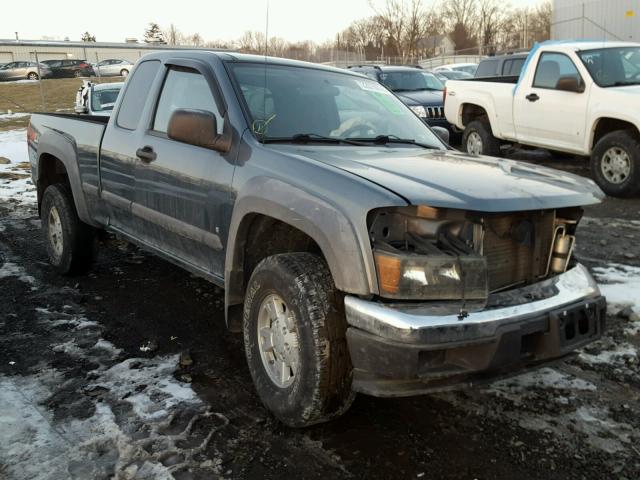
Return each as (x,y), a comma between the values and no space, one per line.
(285,101)
(406,81)
(104,100)
(613,67)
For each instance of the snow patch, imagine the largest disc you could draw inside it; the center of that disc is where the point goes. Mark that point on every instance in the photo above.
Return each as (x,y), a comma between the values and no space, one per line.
(10,269)
(542,378)
(15,181)
(13,116)
(618,356)
(620,284)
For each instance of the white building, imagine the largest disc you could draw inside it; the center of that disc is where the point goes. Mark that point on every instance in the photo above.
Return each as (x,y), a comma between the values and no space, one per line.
(596,20)
(15,50)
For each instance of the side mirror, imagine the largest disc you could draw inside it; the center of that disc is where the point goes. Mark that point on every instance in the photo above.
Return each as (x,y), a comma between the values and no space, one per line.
(570,84)
(196,127)
(442,133)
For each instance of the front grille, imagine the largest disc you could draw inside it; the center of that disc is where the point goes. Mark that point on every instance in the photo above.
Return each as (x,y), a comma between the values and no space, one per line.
(435,112)
(517,247)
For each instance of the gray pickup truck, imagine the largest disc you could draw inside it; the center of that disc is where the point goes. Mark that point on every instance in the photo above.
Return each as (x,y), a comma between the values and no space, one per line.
(357,251)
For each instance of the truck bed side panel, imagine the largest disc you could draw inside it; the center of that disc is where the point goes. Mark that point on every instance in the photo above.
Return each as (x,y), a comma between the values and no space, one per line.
(75,141)
(495,97)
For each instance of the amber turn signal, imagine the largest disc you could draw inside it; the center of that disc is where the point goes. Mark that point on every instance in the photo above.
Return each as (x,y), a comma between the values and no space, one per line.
(389,269)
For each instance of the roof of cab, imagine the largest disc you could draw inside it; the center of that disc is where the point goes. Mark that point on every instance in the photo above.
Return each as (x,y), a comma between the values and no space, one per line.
(243,57)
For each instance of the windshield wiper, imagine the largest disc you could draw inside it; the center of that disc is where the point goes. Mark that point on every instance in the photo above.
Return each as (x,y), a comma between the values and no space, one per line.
(311,137)
(386,139)
(624,83)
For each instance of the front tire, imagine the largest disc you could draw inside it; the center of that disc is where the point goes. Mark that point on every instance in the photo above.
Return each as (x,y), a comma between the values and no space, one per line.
(71,243)
(295,340)
(615,163)
(124,72)
(33,76)
(478,139)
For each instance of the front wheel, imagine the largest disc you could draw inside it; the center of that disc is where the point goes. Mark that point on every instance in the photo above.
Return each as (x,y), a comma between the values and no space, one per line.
(295,340)
(33,76)
(124,72)
(71,243)
(615,163)
(478,139)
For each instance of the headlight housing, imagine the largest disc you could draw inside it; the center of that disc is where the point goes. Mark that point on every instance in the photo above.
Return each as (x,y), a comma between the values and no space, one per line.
(419,110)
(422,253)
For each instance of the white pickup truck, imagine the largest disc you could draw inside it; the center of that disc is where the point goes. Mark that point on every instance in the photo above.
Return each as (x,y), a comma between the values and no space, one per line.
(576,97)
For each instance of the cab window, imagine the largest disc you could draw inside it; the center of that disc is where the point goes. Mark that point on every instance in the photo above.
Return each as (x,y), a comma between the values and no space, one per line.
(184,88)
(551,68)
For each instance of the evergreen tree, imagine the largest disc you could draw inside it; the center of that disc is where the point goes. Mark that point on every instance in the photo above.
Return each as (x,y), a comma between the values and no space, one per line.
(153,34)
(87,37)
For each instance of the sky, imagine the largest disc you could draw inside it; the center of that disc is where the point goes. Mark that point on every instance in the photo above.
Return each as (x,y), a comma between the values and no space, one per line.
(115,20)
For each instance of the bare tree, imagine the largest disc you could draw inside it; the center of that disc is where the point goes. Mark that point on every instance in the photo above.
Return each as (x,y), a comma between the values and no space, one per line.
(491,17)
(87,37)
(172,35)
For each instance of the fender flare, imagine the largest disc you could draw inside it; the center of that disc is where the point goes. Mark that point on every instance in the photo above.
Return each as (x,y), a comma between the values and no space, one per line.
(64,149)
(318,218)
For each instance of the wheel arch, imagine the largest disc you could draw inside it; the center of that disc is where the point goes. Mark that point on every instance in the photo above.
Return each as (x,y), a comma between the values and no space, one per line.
(605,124)
(312,224)
(57,161)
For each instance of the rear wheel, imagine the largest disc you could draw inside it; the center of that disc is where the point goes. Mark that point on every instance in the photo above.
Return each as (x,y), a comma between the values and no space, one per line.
(124,72)
(478,139)
(71,243)
(295,340)
(33,76)
(615,163)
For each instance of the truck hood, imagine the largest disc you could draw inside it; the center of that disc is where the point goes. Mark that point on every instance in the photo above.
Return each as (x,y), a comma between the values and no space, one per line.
(450,179)
(421,97)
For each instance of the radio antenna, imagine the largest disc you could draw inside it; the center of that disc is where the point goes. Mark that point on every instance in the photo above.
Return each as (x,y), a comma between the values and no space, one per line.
(264,84)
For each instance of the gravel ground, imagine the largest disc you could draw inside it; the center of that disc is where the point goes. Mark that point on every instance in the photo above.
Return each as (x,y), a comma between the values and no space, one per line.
(128,372)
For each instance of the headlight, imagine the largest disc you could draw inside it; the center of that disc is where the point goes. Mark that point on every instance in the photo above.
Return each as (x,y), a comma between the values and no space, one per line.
(431,277)
(419,110)
(422,253)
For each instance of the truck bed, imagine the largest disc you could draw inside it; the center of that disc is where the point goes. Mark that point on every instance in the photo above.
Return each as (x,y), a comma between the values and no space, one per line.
(79,136)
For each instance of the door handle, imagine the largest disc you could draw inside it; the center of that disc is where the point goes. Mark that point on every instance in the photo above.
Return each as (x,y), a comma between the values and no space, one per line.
(532,97)
(146,154)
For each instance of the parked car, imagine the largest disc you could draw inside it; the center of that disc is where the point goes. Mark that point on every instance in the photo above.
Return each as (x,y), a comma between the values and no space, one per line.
(445,75)
(421,91)
(501,65)
(358,253)
(576,97)
(97,99)
(113,68)
(70,68)
(24,70)
(469,68)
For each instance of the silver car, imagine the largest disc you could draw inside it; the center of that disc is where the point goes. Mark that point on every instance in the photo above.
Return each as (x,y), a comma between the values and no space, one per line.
(113,67)
(23,71)
(97,99)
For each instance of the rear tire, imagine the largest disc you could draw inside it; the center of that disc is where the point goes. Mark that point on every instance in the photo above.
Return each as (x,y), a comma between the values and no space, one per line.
(71,243)
(478,139)
(309,306)
(124,72)
(33,76)
(615,163)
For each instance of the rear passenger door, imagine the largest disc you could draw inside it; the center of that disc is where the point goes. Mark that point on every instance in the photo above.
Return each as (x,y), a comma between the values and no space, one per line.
(183,196)
(122,138)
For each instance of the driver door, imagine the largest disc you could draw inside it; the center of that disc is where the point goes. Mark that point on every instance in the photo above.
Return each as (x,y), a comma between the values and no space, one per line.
(547,116)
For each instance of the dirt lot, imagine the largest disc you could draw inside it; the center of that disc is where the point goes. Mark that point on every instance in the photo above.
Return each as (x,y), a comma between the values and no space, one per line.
(129,372)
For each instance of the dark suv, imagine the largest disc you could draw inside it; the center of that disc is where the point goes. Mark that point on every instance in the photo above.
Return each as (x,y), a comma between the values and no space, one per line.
(70,68)
(421,91)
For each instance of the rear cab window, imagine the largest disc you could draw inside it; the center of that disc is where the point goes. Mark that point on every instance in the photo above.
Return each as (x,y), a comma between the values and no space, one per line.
(135,95)
(487,68)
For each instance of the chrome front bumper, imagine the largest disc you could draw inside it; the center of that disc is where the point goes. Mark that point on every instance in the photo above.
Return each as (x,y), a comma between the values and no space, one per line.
(409,349)
(419,324)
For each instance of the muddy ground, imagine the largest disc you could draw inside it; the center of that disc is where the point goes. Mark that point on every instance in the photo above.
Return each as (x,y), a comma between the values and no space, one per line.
(128,372)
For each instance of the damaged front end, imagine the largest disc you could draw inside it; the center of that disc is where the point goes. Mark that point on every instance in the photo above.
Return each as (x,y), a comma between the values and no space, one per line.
(468,295)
